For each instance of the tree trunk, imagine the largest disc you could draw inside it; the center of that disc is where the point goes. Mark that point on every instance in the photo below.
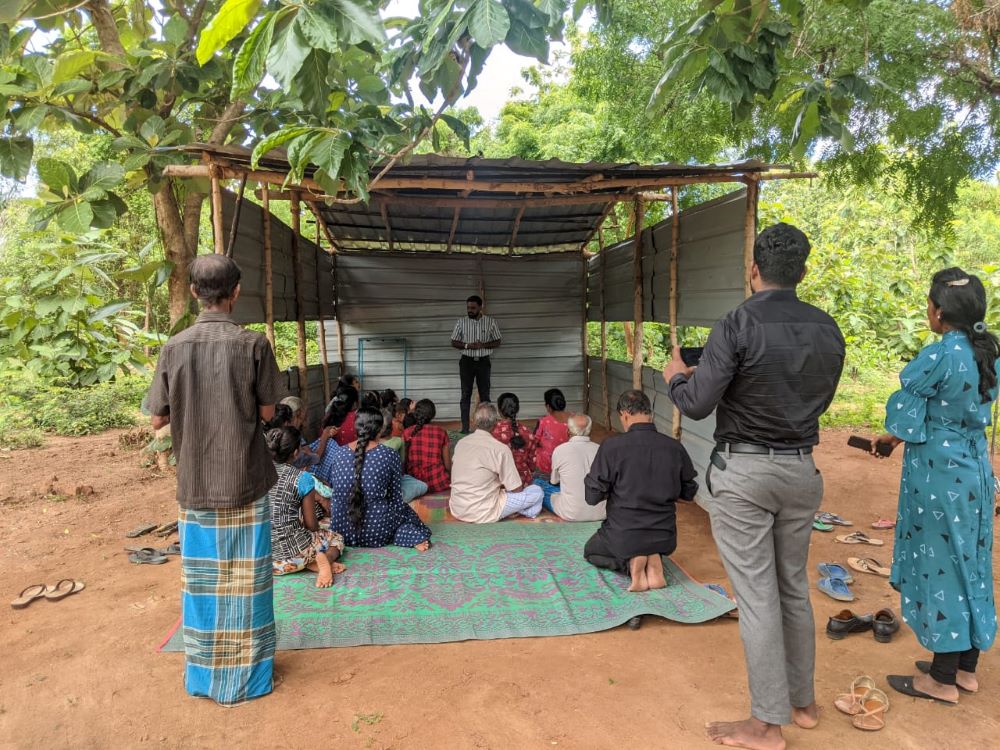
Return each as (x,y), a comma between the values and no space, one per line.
(175,249)
(629,340)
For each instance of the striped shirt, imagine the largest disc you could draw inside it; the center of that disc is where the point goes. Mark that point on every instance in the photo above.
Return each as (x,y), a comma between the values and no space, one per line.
(210,380)
(470,330)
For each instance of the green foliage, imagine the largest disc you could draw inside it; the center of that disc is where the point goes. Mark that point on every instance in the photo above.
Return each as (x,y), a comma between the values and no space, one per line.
(286,350)
(29,407)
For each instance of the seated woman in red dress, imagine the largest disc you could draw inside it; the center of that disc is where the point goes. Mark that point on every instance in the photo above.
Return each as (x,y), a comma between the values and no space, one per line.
(552,430)
(343,410)
(517,436)
(428,454)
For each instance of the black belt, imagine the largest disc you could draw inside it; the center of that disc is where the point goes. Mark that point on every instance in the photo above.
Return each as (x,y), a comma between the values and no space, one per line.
(761,450)
(476,359)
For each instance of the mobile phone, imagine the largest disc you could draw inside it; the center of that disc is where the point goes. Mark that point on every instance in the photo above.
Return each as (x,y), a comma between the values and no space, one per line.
(866,445)
(691,355)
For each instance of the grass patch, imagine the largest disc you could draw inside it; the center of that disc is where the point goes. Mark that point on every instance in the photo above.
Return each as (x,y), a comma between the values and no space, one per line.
(860,399)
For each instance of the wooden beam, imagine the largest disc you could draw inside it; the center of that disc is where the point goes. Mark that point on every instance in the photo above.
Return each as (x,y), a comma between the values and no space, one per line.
(268,269)
(600,222)
(749,234)
(320,221)
(675,237)
(385,221)
(300,316)
(637,346)
(457,201)
(236,217)
(322,323)
(583,337)
(217,230)
(454,227)
(517,225)
(340,324)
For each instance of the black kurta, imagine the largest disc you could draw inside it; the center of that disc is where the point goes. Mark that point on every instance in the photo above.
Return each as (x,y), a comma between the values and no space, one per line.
(641,473)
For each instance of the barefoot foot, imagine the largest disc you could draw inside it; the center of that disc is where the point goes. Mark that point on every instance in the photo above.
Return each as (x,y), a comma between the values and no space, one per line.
(654,572)
(338,567)
(807,717)
(752,734)
(324,579)
(423,546)
(927,684)
(637,568)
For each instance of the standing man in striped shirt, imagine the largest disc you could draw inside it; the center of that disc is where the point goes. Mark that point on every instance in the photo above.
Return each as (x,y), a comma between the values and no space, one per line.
(476,335)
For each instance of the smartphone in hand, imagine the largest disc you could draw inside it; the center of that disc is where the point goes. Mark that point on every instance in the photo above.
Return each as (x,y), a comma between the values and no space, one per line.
(691,355)
(865,444)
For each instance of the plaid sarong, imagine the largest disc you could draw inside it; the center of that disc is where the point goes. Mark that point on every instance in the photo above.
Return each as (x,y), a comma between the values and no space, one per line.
(228,614)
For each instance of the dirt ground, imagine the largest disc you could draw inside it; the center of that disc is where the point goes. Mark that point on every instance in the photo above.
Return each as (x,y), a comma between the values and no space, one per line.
(84,672)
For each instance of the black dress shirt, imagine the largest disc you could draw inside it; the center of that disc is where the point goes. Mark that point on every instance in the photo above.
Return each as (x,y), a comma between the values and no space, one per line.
(771,366)
(641,473)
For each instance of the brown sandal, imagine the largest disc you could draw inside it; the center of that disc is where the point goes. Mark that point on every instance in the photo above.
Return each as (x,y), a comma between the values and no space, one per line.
(61,590)
(850,703)
(37,591)
(869,565)
(873,707)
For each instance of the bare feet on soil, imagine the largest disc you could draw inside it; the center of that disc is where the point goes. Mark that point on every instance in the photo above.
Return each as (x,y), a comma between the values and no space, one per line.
(807,717)
(637,569)
(751,733)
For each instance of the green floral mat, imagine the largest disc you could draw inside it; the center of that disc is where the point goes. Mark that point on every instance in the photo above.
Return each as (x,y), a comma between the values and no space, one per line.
(502,580)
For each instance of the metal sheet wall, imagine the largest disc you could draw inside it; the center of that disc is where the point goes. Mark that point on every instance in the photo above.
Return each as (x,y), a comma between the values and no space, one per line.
(248,252)
(696,436)
(537,300)
(709,267)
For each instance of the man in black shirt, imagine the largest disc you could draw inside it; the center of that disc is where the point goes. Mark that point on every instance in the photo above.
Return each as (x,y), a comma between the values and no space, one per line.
(770,368)
(641,474)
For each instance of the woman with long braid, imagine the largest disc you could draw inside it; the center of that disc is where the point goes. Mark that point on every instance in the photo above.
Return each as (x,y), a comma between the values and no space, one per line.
(428,454)
(367,503)
(510,432)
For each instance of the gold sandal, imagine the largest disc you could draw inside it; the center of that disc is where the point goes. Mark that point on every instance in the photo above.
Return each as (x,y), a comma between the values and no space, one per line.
(850,703)
(873,708)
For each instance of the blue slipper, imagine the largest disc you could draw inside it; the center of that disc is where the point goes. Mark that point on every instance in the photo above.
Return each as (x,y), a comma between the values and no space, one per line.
(835,588)
(832,570)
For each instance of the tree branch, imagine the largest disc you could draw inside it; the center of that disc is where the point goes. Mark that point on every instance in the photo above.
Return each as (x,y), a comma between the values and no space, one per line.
(987,80)
(230,116)
(107,31)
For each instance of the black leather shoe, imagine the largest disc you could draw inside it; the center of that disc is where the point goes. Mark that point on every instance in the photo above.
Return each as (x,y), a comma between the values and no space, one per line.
(884,625)
(635,623)
(842,625)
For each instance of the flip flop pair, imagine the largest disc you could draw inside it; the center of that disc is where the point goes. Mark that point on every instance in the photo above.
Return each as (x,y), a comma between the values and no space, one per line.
(858,537)
(150,555)
(869,565)
(65,587)
(832,518)
(820,526)
(884,524)
(865,704)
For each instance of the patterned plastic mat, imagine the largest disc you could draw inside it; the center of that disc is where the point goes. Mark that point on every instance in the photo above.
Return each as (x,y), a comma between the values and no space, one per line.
(478,582)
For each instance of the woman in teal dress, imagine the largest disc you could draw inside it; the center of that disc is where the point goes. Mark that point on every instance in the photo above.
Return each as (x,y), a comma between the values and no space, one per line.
(942,559)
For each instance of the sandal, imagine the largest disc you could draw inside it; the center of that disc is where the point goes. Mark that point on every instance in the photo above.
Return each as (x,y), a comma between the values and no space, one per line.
(859,537)
(29,595)
(925,667)
(833,570)
(868,565)
(884,524)
(147,556)
(170,549)
(835,588)
(166,529)
(140,530)
(61,590)
(820,526)
(874,704)
(850,703)
(832,518)
(904,684)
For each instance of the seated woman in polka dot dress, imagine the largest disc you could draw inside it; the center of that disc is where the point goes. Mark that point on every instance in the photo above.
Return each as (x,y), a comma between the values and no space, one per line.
(367,502)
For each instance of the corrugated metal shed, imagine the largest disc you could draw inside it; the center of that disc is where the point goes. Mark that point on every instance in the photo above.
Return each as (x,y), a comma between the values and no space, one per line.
(709,267)
(537,300)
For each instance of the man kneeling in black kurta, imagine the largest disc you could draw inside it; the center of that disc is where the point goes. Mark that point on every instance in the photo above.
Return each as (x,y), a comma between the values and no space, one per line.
(641,473)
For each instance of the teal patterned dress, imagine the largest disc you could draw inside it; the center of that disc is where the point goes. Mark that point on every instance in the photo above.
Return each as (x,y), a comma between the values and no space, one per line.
(942,559)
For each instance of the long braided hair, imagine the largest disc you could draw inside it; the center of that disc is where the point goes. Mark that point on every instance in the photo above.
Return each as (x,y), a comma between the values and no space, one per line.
(423,413)
(508,405)
(368,423)
(961,298)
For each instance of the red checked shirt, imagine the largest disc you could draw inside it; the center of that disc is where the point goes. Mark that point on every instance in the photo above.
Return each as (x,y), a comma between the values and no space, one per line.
(524,458)
(425,456)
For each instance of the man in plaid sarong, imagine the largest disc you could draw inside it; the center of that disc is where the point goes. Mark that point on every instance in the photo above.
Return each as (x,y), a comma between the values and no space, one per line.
(214,383)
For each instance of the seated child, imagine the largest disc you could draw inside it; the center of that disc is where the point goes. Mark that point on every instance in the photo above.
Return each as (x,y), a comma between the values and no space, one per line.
(428,449)
(298,539)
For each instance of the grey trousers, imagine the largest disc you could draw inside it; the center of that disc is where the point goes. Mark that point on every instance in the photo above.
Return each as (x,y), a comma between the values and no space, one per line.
(762,513)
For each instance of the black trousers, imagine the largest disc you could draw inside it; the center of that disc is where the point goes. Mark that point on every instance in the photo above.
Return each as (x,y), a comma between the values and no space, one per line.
(473,369)
(945,666)
(600,554)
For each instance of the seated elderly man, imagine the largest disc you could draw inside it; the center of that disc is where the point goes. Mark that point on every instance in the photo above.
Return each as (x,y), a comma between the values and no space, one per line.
(571,462)
(641,474)
(485,483)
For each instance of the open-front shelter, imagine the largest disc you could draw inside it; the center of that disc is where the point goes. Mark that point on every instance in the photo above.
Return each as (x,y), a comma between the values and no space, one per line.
(387,278)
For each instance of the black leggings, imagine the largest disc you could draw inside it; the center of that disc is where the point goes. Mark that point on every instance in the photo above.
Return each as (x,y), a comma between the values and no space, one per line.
(946,666)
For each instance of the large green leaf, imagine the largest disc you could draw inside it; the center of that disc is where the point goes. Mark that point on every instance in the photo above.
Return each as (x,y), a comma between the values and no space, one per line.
(108,310)
(251,60)
(58,176)
(362,22)
(68,64)
(319,26)
(175,30)
(276,139)
(310,82)
(528,40)
(488,22)
(76,217)
(15,156)
(104,176)
(232,18)
(287,54)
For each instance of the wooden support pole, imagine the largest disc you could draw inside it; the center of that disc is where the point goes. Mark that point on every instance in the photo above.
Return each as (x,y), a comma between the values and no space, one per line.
(583,336)
(604,331)
(675,238)
(322,322)
(637,345)
(321,222)
(517,225)
(454,227)
(749,234)
(340,325)
(268,268)
(217,230)
(300,310)
(384,210)
(236,217)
